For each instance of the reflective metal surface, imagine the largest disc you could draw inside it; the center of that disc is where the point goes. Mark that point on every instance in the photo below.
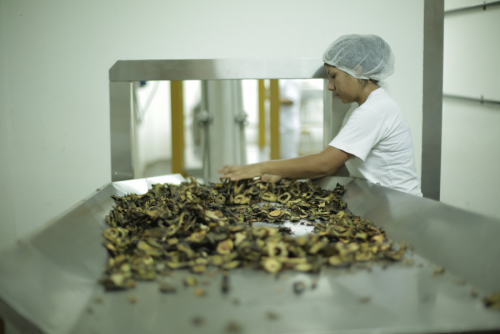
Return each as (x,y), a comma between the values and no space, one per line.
(124,72)
(217,69)
(50,279)
(120,98)
(334,112)
(225,129)
(432,100)
(462,241)
(46,280)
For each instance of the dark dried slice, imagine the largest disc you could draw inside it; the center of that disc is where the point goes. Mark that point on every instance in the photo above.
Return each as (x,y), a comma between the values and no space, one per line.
(198,320)
(220,199)
(167,288)
(234,327)
(253,191)
(225,283)
(364,300)
(283,198)
(272,315)
(241,199)
(438,271)
(268,196)
(299,287)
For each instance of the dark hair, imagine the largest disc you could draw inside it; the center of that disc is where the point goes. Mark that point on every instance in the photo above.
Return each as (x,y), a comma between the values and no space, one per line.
(364,82)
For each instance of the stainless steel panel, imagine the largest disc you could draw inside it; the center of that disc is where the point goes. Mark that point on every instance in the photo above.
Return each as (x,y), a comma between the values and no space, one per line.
(120,94)
(50,278)
(462,241)
(124,72)
(432,103)
(47,279)
(226,129)
(334,112)
(214,69)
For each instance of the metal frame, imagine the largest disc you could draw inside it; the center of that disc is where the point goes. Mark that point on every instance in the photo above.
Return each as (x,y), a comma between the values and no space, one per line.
(432,103)
(124,72)
(483,5)
(475,99)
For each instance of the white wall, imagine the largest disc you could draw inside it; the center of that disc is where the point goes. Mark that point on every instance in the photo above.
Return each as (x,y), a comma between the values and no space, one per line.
(55,57)
(153,138)
(470,176)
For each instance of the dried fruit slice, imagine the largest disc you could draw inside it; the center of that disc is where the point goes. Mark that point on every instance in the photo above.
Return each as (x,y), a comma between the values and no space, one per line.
(225,247)
(275,213)
(272,265)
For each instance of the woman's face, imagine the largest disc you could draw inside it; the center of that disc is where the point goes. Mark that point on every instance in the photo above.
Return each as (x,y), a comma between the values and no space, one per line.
(344,86)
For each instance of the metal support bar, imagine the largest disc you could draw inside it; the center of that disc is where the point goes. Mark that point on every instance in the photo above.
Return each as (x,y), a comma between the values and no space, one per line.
(334,112)
(124,72)
(275,119)
(216,69)
(204,118)
(177,114)
(432,104)
(262,114)
(120,94)
(481,5)
(475,99)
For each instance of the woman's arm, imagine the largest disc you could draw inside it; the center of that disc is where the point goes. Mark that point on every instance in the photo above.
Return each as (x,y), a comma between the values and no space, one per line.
(310,166)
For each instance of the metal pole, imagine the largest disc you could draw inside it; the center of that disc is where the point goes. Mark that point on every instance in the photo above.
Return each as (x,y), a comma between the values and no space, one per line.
(120,94)
(432,99)
(205,119)
(275,119)
(262,114)
(177,114)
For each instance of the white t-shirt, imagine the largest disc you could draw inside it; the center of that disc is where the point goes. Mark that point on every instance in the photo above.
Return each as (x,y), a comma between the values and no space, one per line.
(379,137)
(290,115)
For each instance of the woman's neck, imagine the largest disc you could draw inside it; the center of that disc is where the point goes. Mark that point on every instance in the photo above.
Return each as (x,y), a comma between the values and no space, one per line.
(366,91)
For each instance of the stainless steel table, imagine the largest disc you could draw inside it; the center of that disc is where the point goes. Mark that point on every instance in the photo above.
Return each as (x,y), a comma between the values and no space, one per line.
(48,282)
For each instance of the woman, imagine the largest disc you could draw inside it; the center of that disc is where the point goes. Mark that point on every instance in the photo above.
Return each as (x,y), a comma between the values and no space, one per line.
(374,142)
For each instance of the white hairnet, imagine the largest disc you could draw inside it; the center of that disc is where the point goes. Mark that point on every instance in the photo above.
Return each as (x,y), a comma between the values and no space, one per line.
(362,56)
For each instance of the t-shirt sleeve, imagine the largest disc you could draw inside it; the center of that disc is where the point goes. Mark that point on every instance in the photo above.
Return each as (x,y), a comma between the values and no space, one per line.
(363,130)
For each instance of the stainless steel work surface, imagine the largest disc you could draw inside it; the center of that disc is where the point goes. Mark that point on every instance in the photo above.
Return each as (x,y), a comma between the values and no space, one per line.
(48,283)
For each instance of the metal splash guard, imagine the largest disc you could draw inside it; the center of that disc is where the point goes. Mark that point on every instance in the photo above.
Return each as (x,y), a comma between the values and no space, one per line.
(49,281)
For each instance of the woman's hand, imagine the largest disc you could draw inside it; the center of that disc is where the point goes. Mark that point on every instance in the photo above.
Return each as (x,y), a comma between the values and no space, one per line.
(270,178)
(306,167)
(236,173)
